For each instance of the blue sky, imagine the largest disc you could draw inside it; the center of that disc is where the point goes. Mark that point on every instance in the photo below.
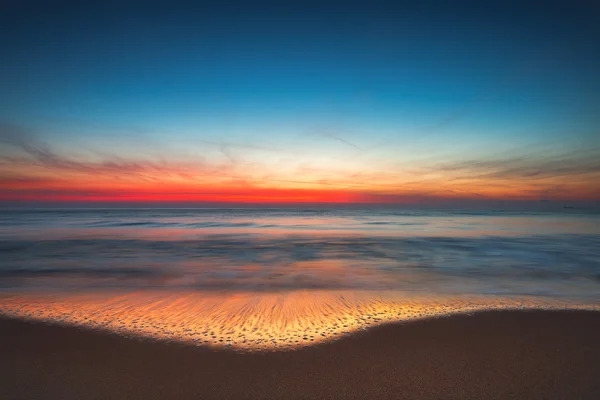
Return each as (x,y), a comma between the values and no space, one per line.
(326,86)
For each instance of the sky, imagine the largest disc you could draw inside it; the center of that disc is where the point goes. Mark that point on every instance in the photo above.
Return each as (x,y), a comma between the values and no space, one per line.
(255,103)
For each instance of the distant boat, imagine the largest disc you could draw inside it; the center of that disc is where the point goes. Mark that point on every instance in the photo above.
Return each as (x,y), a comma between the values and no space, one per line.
(566,206)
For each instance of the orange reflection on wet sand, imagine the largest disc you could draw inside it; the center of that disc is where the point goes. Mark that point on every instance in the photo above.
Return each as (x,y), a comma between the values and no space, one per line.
(265,321)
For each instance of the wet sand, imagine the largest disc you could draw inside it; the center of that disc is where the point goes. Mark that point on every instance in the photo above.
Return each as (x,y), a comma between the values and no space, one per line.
(495,354)
(254,320)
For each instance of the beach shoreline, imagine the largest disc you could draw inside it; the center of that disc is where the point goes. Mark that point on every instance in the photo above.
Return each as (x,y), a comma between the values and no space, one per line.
(490,354)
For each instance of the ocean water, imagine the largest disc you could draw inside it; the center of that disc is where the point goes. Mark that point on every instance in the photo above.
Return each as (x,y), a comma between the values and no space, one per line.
(246,277)
(524,253)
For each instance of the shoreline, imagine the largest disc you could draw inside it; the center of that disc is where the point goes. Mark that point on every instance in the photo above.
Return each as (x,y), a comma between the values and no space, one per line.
(248,321)
(219,347)
(487,354)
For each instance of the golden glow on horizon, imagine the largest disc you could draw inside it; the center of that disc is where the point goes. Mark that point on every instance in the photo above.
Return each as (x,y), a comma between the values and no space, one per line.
(267,182)
(82,190)
(249,321)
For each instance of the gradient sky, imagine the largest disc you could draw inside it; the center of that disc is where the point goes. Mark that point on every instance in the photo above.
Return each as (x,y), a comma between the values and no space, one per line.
(393,103)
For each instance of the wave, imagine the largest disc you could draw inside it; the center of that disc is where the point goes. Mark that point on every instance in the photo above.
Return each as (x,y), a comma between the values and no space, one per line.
(480,264)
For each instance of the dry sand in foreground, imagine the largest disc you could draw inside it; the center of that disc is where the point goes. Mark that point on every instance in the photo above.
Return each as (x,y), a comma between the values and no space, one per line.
(496,354)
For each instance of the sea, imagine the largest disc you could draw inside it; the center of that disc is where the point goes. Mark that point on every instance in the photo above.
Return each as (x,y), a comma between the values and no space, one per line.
(508,252)
(182,272)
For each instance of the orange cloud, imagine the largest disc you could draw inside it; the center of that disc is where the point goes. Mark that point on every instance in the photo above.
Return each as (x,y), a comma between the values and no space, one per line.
(33,171)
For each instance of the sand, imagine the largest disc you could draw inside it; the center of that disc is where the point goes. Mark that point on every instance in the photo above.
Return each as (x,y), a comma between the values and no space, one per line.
(254,320)
(495,354)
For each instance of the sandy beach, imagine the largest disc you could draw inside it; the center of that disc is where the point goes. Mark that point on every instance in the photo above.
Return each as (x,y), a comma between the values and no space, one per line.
(495,354)
(295,201)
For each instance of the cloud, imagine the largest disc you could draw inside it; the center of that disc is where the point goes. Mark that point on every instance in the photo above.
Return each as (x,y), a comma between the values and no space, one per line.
(225,144)
(447,120)
(14,135)
(27,150)
(29,168)
(35,152)
(326,132)
(525,168)
(227,153)
(339,139)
